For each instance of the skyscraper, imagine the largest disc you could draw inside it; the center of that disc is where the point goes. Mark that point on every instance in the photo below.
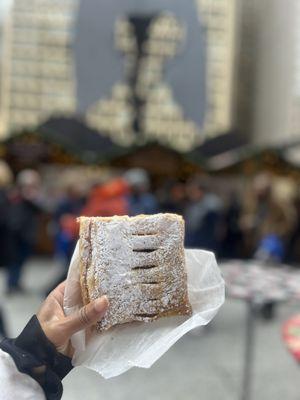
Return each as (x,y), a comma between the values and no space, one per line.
(269,71)
(219,20)
(37,68)
(275,70)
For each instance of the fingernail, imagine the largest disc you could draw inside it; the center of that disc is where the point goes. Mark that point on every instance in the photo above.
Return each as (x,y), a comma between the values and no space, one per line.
(101,304)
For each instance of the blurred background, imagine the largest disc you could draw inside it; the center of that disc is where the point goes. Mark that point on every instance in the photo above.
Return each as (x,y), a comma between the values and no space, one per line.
(112,107)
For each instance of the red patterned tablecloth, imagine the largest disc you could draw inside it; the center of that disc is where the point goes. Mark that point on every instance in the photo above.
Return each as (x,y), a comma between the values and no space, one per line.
(291,336)
(253,280)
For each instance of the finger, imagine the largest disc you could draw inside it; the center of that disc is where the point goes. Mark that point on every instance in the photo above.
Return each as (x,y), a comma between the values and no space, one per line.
(58,292)
(61,287)
(86,316)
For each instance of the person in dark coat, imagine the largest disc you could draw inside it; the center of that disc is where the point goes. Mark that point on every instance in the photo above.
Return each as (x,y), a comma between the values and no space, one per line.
(23,217)
(70,206)
(5,245)
(203,217)
(232,237)
(6,250)
(140,199)
(173,198)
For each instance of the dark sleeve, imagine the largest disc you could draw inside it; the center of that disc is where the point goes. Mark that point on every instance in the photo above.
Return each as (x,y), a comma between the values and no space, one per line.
(36,356)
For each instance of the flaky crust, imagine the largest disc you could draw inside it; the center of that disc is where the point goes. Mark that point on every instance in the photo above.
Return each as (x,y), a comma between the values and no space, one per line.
(138,262)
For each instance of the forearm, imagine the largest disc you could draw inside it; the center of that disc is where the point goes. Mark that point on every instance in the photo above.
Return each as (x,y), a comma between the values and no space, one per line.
(34,355)
(35,352)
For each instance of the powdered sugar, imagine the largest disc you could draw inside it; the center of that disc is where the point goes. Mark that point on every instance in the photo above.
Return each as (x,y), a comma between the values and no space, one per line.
(138,263)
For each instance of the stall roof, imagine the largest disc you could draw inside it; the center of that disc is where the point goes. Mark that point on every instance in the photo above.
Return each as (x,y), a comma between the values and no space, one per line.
(158,160)
(77,138)
(60,140)
(250,160)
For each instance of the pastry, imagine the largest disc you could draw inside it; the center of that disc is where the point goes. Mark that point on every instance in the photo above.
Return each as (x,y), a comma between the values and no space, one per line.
(138,263)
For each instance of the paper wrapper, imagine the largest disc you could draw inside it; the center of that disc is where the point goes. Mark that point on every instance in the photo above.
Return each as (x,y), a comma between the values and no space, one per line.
(139,344)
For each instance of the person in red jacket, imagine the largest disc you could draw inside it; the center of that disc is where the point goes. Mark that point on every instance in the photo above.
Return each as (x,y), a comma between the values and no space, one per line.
(105,200)
(108,199)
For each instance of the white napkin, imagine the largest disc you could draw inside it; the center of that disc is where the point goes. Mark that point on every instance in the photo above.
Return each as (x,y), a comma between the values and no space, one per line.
(122,347)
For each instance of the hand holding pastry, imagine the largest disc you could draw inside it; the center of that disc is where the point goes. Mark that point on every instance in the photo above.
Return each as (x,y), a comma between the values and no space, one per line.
(58,328)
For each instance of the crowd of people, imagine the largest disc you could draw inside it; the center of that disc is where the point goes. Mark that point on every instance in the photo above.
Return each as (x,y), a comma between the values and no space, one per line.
(259,226)
(244,224)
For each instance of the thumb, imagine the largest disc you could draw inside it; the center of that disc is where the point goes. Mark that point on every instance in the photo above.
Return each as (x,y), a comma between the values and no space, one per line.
(86,316)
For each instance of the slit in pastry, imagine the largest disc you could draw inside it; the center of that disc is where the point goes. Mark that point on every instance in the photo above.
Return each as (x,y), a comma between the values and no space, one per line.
(143,275)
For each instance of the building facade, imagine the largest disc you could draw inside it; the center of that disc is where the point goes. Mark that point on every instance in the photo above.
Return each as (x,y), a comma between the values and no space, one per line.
(220,21)
(276,69)
(40,73)
(37,68)
(268,93)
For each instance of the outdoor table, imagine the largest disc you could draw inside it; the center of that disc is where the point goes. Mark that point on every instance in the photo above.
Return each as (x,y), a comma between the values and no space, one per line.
(257,284)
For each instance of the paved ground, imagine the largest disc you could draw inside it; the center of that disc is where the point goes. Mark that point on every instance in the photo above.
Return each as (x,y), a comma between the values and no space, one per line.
(205,366)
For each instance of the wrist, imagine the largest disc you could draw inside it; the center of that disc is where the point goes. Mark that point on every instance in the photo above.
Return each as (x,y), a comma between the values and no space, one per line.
(36,356)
